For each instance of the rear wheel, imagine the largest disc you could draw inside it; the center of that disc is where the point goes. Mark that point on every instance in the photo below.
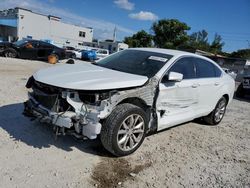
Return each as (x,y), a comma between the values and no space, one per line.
(10,53)
(124,130)
(217,114)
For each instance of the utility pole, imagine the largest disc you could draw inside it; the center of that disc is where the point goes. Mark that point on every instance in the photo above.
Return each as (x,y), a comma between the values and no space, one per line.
(114,35)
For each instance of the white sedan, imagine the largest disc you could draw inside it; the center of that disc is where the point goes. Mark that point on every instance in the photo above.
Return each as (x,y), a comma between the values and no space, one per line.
(78,54)
(129,94)
(102,53)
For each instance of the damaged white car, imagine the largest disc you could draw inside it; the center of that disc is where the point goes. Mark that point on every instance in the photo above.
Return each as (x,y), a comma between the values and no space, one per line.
(129,94)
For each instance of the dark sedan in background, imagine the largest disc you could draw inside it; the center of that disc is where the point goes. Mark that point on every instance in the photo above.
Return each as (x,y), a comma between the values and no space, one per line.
(31,49)
(244,87)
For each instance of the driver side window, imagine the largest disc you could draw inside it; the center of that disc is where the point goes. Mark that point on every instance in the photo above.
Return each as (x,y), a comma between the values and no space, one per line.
(184,66)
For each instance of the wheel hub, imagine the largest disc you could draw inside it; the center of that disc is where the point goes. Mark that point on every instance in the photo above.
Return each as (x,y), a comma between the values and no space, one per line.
(220,110)
(131,132)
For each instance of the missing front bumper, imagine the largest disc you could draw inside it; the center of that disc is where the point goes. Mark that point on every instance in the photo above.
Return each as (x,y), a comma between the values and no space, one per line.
(68,121)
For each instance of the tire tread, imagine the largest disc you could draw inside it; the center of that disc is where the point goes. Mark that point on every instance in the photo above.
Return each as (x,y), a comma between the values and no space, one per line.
(110,123)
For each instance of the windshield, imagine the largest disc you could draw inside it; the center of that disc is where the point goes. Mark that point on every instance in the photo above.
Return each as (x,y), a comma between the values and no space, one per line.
(20,42)
(138,62)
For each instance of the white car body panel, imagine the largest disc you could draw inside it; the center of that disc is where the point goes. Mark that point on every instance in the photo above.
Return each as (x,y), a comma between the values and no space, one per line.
(180,101)
(231,73)
(85,76)
(102,53)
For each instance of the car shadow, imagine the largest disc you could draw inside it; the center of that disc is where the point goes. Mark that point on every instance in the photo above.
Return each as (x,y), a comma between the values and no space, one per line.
(40,135)
(246,98)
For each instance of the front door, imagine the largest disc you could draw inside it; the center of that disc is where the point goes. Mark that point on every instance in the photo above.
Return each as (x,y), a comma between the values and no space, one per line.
(177,101)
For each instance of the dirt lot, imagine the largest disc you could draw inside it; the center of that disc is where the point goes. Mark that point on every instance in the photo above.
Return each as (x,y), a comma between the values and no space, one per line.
(189,155)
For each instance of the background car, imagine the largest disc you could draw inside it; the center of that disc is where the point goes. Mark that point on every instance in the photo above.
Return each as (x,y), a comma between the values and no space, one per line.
(101,53)
(244,87)
(78,54)
(31,49)
(232,73)
(88,55)
(71,51)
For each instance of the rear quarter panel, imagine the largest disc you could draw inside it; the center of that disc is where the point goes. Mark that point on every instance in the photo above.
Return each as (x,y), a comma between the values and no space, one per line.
(228,87)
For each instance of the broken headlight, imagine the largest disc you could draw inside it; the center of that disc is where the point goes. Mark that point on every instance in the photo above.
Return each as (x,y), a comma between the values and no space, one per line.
(93,98)
(103,96)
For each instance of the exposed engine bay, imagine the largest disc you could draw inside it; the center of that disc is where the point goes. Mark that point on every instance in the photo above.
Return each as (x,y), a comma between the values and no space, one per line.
(80,113)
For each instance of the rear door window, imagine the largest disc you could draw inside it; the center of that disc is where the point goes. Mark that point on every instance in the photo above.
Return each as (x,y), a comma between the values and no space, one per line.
(206,69)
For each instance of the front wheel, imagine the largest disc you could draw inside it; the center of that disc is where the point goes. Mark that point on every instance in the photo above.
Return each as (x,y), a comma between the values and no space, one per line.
(10,53)
(218,113)
(124,130)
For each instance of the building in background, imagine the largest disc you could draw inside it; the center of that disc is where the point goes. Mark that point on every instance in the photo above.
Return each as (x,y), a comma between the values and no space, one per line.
(111,45)
(238,65)
(19,23)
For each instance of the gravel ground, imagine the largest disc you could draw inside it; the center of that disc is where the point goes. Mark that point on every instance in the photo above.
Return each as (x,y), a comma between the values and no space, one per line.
(189,155)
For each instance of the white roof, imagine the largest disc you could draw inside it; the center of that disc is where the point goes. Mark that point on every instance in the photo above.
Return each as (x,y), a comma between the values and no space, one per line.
(175,53)
(164,51)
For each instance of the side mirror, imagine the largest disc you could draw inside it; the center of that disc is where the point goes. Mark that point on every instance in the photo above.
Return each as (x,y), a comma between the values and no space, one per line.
(175,76)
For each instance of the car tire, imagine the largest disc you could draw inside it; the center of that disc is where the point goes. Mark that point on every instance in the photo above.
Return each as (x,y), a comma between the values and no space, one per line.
(12,53)
(215,117)
(124,130)
(240,91)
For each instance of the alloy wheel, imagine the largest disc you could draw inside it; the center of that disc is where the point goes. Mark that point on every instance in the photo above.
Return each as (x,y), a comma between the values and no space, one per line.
(220,111)
(130,132)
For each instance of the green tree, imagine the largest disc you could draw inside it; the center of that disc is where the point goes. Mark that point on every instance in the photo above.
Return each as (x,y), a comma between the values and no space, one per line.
(170,33)
(199,40)
(139,39)
(243,53)
(217,44)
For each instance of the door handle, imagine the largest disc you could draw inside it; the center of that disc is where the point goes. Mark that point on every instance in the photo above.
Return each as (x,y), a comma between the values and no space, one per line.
(195,85)
(216,83)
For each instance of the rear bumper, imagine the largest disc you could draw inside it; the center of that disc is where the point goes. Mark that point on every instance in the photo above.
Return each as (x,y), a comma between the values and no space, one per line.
(67,120)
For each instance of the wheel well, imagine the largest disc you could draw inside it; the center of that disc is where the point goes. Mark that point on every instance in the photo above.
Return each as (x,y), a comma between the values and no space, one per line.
(136,101)
(11,49)
(226,97)
(140,103)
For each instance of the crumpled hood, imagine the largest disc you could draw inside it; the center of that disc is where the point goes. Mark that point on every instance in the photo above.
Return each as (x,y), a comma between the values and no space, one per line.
(85,76)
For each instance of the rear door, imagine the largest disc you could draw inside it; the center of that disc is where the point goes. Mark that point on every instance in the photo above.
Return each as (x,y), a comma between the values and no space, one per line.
(44,50)
(209,84)
(177,102)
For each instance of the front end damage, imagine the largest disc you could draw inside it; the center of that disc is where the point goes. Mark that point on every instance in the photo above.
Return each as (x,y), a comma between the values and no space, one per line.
(80,113)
